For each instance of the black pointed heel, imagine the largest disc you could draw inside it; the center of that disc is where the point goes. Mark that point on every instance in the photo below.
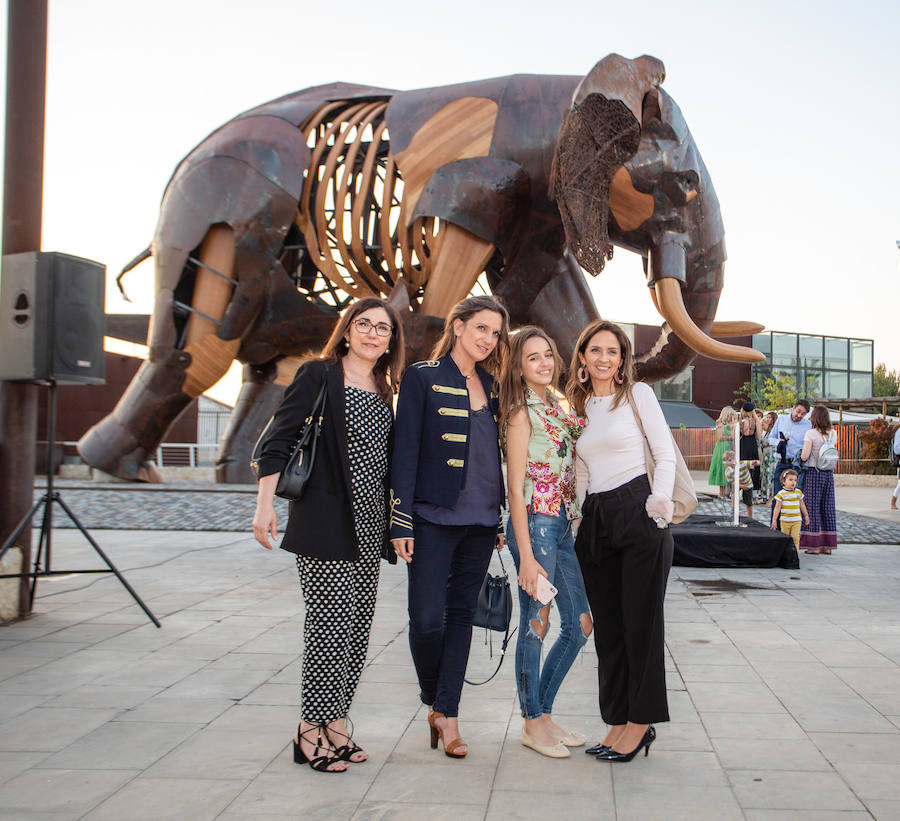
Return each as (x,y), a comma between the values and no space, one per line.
(597,749)
(319,763)
(644,743)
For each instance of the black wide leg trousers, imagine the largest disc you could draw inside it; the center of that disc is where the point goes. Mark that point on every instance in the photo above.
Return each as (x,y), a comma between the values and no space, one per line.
(625,560)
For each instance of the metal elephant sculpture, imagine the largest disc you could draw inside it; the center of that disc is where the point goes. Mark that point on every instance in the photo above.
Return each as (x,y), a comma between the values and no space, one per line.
(288,212)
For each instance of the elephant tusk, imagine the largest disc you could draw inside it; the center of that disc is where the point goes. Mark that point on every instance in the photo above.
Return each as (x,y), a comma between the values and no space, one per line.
(726,330)
(671,306)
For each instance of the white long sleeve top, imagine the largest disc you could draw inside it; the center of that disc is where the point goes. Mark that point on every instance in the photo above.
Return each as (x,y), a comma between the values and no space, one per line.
(610,450)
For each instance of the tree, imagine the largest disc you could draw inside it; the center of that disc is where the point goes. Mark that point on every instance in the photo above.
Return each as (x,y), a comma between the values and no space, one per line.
(771,392)
(885,382)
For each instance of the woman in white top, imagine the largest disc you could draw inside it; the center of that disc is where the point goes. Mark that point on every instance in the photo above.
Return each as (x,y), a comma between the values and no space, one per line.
(623,545)
(820,535)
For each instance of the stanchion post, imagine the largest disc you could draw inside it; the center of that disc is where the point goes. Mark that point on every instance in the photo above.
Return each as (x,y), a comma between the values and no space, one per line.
(26,66)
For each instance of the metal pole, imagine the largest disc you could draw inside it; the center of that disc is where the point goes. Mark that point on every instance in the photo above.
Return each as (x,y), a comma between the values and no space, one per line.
(737,472)
(23,184)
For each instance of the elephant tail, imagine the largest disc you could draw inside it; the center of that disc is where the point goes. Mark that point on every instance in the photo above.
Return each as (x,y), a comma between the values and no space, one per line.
(143,255)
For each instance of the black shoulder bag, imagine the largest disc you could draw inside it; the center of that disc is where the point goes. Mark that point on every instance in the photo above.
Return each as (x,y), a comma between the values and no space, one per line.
(494,612)
(293,478)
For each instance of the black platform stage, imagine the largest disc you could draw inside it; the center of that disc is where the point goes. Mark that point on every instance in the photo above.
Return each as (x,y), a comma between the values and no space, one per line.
(700,542)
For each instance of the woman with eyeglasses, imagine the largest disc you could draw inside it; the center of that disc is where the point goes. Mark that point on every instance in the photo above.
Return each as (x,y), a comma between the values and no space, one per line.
(446,494)
(338,530)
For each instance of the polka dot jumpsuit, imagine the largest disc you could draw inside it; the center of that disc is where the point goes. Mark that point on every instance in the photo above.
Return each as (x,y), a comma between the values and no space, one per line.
(340,595)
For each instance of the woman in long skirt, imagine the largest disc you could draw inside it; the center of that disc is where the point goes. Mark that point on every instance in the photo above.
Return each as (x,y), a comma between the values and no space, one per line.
(820,535)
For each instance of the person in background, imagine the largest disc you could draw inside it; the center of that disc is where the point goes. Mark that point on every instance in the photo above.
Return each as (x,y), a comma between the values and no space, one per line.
(540,457)
(751,431)
(895,453)
(789,428)
(819,533)
(624,544)
(724,438)
(446,495)
(338,528)
(745,478)
(768,456)
(789,507)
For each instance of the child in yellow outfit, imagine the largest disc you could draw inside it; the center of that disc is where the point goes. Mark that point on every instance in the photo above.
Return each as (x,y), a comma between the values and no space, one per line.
(789,505)
(745,479)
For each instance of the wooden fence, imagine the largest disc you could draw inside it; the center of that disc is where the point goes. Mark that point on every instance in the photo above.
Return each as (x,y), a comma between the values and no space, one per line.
(697,445)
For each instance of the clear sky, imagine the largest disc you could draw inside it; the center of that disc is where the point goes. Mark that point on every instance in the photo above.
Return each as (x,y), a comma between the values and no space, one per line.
(794,107)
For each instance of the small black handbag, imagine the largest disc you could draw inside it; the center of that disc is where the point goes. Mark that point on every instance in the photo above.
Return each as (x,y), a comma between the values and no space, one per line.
(293,478)
(493,611)
(494,608)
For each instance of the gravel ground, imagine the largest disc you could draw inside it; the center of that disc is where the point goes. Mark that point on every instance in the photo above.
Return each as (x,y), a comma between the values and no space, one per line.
(230,508)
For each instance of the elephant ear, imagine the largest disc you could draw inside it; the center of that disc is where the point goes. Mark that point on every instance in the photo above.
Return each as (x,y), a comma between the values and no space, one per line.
(597,136)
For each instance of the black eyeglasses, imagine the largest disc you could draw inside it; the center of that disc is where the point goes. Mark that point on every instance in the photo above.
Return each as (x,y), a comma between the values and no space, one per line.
(381,328)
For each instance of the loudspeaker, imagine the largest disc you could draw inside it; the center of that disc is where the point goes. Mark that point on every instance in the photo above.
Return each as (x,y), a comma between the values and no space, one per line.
(52,319)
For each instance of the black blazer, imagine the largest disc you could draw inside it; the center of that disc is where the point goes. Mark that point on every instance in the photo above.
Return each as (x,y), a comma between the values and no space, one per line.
(431,446)
(321,524)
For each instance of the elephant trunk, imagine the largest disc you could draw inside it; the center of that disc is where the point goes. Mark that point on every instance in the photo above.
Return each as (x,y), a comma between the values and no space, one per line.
(689,313)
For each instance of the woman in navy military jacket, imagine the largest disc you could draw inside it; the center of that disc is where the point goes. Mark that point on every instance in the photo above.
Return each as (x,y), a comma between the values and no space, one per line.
(446,494)
(338,529)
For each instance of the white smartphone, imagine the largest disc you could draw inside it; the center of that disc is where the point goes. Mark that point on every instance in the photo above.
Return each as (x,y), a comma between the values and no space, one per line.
(545,590)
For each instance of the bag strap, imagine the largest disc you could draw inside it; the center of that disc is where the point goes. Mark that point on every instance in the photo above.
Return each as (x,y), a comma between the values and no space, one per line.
(506,638)
(317,409)
(637,415)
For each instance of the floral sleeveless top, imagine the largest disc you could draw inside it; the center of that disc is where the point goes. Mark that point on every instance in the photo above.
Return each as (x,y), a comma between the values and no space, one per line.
(550,469)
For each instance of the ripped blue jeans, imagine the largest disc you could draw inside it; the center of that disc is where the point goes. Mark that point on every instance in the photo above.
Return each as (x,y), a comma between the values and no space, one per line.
(553,546)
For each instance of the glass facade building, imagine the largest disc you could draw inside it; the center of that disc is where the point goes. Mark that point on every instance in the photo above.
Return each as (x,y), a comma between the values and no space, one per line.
(830,367)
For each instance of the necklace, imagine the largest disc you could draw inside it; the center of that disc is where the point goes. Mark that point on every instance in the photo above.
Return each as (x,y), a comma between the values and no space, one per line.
(466,375)
(355,382)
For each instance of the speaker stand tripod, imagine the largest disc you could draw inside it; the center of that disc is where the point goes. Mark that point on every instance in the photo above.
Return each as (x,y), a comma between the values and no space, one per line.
(45,545)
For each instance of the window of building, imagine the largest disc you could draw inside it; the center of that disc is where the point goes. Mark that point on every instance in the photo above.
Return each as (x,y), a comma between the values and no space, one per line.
(860,355)
(810,383)
(763,343)
(811,352)
(860,385)
(821,366)
(678,388)
(835,353)
(784,349)
(836,384)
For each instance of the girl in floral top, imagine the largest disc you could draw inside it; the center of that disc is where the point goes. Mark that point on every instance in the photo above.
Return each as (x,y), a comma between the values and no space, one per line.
(540,455)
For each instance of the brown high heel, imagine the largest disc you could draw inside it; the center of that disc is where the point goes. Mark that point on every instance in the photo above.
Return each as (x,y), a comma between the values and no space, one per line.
(437,733)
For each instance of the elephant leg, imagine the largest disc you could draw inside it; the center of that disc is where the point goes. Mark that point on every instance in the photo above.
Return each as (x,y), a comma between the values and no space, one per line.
(210,355)
(551,292)
(261,392)
(124,443)
(461,259)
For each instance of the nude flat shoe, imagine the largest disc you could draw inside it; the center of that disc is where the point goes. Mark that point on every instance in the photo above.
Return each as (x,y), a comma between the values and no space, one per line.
(573,739)
(558,750)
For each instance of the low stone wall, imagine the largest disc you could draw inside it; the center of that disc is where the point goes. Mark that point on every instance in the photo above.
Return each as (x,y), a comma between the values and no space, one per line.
(863,480)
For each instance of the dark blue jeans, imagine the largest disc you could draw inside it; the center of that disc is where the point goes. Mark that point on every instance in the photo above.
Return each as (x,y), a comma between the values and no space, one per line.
(446,572)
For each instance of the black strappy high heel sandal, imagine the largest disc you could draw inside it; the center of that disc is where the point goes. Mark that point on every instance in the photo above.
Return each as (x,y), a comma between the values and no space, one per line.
(319,763)
(349,748)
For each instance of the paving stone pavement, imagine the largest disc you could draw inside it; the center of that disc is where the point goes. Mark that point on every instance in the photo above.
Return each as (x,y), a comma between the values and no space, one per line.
(230,508)
(784,693)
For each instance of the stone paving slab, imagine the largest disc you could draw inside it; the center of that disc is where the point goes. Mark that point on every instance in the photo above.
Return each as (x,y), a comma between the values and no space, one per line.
(782,688)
